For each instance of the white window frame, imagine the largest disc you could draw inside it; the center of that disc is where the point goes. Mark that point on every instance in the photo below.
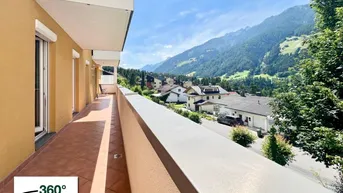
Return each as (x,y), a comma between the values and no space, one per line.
(76,55)
(45,35)
(44,96)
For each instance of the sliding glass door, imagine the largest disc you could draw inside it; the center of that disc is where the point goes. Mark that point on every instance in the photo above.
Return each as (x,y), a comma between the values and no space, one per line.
(41,85)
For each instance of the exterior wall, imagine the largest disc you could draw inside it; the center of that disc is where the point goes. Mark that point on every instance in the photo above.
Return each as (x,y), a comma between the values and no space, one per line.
(172,98)
(107,79)
(108,83)
(206,108)
(18,71)
(157,83)
(187,84)
(170,81)
(191,100)
(182,96)
(142,160)
(83,80)
(257,121)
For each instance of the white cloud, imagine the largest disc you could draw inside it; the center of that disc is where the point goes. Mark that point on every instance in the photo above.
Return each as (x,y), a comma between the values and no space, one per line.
(168,46)
(202,15)
(187,12)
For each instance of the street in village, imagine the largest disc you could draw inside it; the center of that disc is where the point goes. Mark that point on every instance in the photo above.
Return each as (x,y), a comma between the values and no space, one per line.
(303,163)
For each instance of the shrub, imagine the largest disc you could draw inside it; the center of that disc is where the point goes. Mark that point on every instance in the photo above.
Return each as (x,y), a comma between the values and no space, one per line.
(147,92)
(185,114)
(137,89)
(156,100)
(242,136)
(276,148)
(171,106)
(148,97)
(178,111)
(194,117)
(162,102)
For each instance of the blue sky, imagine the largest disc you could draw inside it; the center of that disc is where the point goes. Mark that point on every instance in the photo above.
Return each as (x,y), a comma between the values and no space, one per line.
(164,28)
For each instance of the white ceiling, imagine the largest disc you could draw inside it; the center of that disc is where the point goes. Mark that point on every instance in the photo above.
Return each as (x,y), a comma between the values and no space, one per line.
(93,24)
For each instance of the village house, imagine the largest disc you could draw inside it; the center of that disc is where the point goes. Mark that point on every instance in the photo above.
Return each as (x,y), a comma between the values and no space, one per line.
(170,81)
(172,94)
(153,82)
(187,84)
(149,81)
(199,97)
(254,111)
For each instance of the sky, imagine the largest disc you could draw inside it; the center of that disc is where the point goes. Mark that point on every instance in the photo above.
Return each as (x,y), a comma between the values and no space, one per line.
(164,28)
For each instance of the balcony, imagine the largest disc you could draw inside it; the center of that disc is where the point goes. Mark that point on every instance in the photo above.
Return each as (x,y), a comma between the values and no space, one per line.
(126,143)
(90,147)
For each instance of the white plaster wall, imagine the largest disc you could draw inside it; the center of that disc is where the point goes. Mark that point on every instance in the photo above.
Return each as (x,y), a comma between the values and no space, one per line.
(207,108)
(172,98)
(108,88)
(182,96)
(260,121)
(256,120)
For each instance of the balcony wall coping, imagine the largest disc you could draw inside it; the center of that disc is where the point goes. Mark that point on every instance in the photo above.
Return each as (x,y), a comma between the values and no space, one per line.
(199,160)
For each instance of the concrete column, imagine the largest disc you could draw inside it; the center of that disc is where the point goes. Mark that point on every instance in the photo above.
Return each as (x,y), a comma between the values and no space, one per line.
(115,75)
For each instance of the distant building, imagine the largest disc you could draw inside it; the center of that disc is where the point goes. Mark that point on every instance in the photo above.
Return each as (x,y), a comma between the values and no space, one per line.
(170,81)
(199,97)
(150,81)
(153,83)
(255,111)
(187,84)
(157,83)
(172,94)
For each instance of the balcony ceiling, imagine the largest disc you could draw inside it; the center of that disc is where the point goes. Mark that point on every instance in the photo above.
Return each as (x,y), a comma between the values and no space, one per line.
(106,58)
(93,24)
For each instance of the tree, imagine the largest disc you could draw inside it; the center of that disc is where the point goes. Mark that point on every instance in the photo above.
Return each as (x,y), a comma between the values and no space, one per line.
(142,80)
(327,14)
(276,148)
(313,100)
(132,79)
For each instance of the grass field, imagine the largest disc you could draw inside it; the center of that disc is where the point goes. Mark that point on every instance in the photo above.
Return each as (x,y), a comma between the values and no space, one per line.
(183,63)
(292,44)
(264,76)
(239,75)
(179,106)
(191,74)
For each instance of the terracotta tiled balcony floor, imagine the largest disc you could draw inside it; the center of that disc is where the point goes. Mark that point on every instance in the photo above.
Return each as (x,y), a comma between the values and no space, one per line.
(86,148)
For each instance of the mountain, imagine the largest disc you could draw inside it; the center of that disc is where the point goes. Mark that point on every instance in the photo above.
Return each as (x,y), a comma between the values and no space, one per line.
(151,67)
(257,48)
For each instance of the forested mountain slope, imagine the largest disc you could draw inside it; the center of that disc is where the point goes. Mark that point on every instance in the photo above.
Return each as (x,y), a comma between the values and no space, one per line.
(257,49)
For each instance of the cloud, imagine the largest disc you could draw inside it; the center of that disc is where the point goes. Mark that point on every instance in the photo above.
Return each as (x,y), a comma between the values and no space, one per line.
(168,46)
(202,15)
(187,12)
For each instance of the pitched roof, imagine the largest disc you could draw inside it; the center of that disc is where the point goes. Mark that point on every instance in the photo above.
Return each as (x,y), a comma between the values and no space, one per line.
(199,102)
(167,88)
(201,90)
(250,104)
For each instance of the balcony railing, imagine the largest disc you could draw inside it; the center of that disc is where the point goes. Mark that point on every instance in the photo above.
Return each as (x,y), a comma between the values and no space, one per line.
(166,152)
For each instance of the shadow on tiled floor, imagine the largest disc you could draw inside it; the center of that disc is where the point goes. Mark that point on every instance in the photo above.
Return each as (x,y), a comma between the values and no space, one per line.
(74,151)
